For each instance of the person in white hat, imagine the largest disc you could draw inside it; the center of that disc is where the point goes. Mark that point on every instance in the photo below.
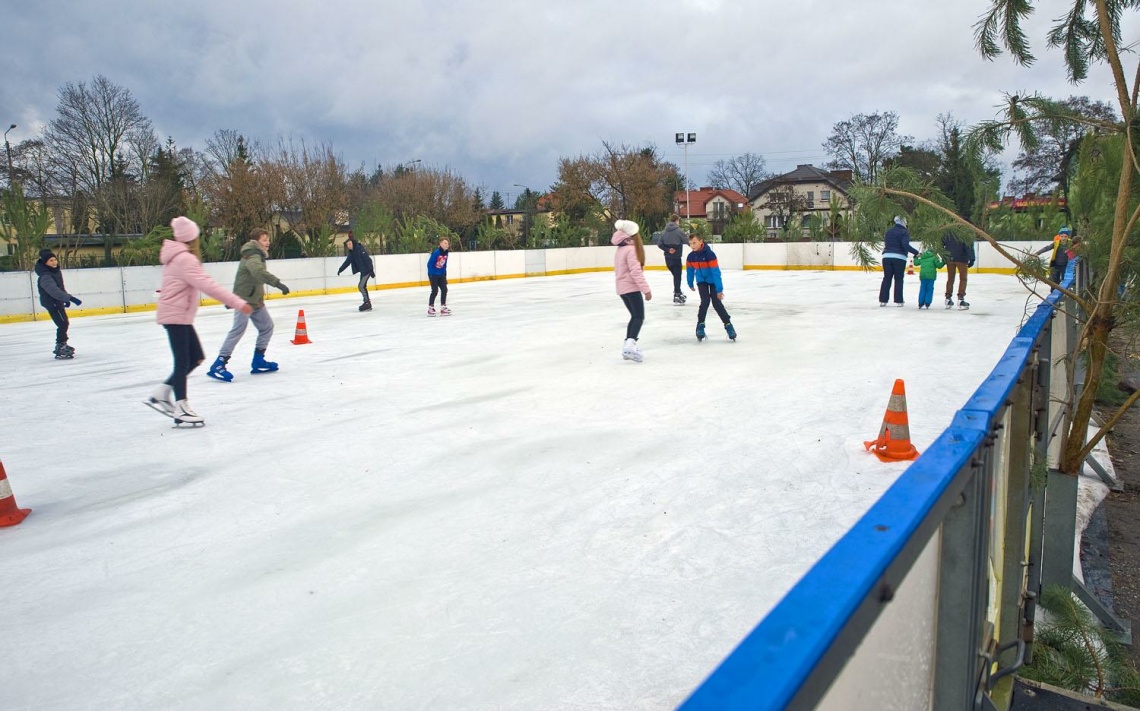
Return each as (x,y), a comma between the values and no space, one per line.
(629,275)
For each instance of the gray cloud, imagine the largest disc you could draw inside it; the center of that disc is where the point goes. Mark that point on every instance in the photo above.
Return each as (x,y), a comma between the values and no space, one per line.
(499,90)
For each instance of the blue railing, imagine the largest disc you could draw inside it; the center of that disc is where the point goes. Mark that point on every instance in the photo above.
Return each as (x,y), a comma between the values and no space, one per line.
(793,655)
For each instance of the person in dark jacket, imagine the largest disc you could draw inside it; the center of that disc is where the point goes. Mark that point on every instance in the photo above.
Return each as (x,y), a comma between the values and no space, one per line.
(959,259)
(361,264)
(54,298)
(671,241)
(896,245)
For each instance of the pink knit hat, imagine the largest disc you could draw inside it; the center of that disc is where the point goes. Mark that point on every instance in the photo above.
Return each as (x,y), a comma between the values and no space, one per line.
(184,229)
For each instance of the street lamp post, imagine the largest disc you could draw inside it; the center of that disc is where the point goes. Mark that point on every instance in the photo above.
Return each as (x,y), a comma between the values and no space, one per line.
(684,139)
(8,153)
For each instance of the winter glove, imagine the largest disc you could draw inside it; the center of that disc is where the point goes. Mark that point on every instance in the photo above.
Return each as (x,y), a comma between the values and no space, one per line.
(76,301)
(284,289)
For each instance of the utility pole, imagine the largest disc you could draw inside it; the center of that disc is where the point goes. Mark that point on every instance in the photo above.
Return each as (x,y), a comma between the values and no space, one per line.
(684,139)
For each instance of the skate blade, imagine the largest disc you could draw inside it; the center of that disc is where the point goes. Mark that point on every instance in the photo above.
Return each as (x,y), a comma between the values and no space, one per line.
(178,424)
(157,407)
(222,378)
(260,372)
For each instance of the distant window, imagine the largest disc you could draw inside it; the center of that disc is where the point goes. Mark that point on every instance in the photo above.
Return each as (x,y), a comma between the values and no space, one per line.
(811,196)
(510,219)
(806,220)
(773,222)
(825,196)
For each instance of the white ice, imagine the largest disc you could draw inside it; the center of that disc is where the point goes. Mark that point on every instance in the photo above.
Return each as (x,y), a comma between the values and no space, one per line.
(486,511)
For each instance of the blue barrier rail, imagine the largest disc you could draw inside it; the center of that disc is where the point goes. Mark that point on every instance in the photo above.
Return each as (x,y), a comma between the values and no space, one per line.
(794,654)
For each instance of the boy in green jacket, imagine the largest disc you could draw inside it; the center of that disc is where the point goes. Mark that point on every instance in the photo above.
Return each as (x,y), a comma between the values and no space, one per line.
(928,264)
(249,284)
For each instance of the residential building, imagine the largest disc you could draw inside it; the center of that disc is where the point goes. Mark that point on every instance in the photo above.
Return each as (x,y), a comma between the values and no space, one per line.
(799,194)
(714,205)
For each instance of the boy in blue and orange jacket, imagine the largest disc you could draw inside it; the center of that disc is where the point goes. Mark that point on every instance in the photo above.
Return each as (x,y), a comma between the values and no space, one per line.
(701,267)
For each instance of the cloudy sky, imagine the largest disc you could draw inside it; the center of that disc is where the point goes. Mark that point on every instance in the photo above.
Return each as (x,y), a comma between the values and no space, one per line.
(499,90)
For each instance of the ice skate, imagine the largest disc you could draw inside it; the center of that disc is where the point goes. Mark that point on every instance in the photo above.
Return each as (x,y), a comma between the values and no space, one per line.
(700,332)
(630,351)
(963,304)
(900,304)
(63,351)
(218,370)
(366,306)
(949,303)
(678,299)
(260,365)
(444,311)
(882,304)
(161,400)
(183,415)
(731,331)
(431,311)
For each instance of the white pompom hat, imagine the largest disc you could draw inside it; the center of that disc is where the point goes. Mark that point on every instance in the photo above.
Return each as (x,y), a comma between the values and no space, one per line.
(627,226)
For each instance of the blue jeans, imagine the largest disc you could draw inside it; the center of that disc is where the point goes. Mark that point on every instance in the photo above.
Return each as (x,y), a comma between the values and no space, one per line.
(925,292)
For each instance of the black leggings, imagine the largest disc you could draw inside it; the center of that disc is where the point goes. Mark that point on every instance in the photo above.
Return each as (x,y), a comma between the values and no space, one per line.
(636,306)
(708,295)
(438,285)
(675,267)
(59,318)
(188,355)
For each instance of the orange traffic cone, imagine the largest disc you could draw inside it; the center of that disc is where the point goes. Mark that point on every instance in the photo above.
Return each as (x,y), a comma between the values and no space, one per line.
(302,336)
(893,444)
(10,513)
(910,266)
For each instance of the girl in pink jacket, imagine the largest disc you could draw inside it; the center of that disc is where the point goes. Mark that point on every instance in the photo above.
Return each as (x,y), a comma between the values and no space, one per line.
(182,279)
(630,278)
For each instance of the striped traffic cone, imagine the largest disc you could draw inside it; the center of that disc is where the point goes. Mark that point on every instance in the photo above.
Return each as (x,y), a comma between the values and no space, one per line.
(302,335)
(893,443)
(10,513)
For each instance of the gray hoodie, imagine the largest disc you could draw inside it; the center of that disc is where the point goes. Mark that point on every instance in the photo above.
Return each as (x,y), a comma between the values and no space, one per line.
(673,237)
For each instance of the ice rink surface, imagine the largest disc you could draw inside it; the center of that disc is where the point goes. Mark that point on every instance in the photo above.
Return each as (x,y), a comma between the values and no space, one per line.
(490,510)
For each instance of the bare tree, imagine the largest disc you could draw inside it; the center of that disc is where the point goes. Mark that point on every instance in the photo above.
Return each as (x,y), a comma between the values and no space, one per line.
(241,186)
(862,142)
(93,134)
(315,191)
(1046,166)
(620,181)
(739,173)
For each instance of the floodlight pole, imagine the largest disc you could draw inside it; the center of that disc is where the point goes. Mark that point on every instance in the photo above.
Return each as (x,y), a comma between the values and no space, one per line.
(683,140)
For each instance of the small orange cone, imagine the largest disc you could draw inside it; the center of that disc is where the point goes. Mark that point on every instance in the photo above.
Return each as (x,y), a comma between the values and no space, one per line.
(302,336)
(10,513)
(910,266)
(893,444)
